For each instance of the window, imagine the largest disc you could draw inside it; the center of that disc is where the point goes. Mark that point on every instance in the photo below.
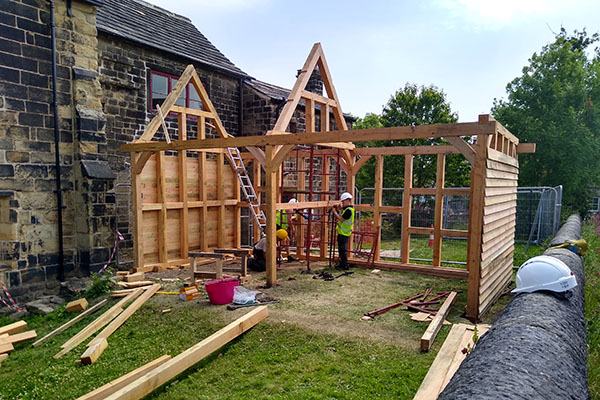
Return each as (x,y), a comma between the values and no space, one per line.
(161,85)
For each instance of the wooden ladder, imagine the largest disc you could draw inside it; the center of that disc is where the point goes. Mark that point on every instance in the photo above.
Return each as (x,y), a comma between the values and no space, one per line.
(247,187)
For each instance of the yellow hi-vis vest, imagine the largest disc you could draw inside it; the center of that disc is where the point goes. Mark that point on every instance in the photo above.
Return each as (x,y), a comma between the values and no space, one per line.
(345,227)
(281,219)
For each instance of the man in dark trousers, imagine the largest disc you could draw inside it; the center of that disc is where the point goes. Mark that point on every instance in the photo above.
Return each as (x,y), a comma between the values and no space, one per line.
(345,222)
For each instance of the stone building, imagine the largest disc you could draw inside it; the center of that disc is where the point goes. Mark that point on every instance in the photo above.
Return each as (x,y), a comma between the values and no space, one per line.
(115,60)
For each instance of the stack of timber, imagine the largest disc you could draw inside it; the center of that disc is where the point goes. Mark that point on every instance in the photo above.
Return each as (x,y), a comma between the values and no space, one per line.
(12,334)
(499,219)
(151,376)
(461,339)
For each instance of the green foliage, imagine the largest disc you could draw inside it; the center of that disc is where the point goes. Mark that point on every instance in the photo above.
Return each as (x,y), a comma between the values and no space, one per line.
(556,104)
(102,283)
(409,106)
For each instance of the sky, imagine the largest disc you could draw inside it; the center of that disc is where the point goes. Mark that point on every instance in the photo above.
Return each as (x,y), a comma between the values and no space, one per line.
(469,49)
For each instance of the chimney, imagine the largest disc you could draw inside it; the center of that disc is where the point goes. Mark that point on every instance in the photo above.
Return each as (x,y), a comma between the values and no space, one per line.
(315,84)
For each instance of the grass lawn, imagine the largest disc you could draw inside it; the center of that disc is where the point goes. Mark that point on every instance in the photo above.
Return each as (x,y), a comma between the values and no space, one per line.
(592,305)
(312,346)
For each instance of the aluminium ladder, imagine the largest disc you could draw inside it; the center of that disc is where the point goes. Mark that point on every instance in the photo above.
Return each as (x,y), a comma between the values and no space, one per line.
(247,188)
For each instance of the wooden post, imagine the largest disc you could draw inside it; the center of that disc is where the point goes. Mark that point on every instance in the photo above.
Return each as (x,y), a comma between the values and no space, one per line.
(162,199)
(138,218)
(183,189)
(237,217)
(377,203)
(324,222)
(476,204)
(202,187)
(439,210)
(271,193)
(221,198)
(257,179)
(350,182)
(407,205)
(301,197)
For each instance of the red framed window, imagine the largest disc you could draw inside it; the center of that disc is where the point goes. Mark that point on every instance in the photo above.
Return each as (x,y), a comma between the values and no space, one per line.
(161,85)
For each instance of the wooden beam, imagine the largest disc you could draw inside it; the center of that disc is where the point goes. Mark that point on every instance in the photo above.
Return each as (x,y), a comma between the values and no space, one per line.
(168,103)
(104,391)
(359,164)
(271,209)
(526,148)
(173,367)
(258,154)
(120,320)
(70,323)
(221,198)
(377,202)
(313,97)
(340,136)
(184,239)
(97,324)
(13,328)
(94,351)
(438,218)
(407,204)
(307,204)
(444,272)
(18,337)
(3,357)
(436,324)
(476,207)
(431,386)
(203,196)
(6,347)
(140,163)
(400,150)
(161,194)
(138,217)
(465,148)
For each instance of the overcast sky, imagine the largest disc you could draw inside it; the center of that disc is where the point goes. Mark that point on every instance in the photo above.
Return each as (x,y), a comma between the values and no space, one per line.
(470,49)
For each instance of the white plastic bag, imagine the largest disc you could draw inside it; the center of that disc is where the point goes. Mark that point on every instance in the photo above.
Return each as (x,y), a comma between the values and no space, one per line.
(241,295)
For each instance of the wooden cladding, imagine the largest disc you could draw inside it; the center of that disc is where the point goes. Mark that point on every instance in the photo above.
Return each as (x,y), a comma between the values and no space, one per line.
(186,203)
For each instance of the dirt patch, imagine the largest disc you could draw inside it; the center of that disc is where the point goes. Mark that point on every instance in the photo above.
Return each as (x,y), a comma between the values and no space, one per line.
(335,307)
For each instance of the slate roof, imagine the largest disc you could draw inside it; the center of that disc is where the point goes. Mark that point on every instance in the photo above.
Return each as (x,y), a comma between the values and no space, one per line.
(152,26)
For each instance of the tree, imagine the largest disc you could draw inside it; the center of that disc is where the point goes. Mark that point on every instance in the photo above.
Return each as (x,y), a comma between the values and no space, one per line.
(556,104)
(412,105)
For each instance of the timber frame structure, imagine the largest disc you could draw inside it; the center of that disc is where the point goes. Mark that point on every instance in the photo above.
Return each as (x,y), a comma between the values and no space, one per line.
(192,200)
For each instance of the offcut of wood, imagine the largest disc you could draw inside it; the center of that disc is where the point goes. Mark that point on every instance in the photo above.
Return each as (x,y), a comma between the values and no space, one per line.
(130,285)
(170,369)
(93,352)
(77,305)
(123,273)
(13,328)
(111,387)
(138,276)
(6,347)
(18,338)
(2,358)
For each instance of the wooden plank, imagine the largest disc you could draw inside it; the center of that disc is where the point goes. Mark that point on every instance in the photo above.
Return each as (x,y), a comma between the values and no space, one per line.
(97,324)
(138,218)
(306,204)
(106,390)
(6,347)
(496,208)
(436,324)
(489,298)
(439,209)
(71,322)
(131,285)
(407,203)
(494,173)
(135,277)
(278,137)
(493,182)
(459,356)
(173,367)
(13,328)
(94,351)
(18,337)
(3,357)
(491,200)
(488,266)
(496,251)
(431,386)
(424,191)
(495,155)
(162,198)
(501,215)
(120,320)
(498,166)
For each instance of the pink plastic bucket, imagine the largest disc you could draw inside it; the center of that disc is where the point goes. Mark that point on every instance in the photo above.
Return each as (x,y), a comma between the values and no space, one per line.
(220,291)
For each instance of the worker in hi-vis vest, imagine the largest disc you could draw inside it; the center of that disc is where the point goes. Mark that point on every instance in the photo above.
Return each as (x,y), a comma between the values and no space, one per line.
(283,222)
(344,229)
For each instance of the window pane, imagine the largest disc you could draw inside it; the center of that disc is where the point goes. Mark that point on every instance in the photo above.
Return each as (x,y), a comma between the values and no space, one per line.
(195,101)
(181,100)
(159,89)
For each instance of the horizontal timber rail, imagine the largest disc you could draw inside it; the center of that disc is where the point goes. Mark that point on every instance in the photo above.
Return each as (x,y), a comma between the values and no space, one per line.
(359,135)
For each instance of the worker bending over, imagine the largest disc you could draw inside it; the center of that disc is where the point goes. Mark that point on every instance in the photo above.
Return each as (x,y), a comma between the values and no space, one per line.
(345,222)
(258,261)
(282,221)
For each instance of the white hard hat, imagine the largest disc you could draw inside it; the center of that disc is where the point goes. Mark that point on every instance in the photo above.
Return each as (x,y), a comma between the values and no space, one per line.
(544,273)
(345,196)
(292,200)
